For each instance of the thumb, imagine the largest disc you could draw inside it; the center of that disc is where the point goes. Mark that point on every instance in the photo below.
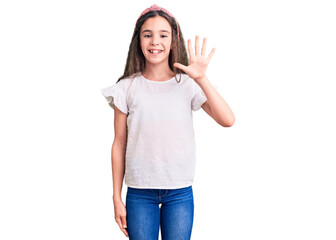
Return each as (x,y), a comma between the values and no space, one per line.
(180,66)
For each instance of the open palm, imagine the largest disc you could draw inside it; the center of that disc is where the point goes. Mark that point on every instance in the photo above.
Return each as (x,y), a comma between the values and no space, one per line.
(198,61)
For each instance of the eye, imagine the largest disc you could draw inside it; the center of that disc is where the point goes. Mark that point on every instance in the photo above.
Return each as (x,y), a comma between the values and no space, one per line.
(147,35)
(164,36)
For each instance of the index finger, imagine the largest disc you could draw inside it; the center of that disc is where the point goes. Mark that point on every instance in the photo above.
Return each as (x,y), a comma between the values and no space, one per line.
(121,227)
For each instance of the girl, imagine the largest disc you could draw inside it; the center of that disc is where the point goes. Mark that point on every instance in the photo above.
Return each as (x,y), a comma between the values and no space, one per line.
(154,138)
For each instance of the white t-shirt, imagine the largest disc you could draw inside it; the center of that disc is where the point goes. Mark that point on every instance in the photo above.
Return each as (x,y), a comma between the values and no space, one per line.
(161,149)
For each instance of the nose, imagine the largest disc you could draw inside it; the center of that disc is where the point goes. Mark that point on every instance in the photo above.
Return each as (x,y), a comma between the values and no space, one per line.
(154,41)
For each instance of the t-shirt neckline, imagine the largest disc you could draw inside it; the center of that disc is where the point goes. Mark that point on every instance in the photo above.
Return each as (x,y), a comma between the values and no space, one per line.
(152,81)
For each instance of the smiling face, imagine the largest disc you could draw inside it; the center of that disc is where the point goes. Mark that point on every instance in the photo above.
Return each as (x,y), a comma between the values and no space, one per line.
(155,40)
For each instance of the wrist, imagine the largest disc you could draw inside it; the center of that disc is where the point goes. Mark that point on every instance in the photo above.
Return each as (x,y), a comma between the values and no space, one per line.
(116,198)
(202,81)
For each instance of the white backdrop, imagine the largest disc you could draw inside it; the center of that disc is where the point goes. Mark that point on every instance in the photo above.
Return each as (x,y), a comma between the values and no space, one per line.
(270,176)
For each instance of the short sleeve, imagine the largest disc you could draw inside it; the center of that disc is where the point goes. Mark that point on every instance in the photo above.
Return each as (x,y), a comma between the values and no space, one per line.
(198,96)
(115,96)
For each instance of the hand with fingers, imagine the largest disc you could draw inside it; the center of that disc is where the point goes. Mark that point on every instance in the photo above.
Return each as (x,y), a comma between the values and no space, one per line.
(198,61)
(120,215)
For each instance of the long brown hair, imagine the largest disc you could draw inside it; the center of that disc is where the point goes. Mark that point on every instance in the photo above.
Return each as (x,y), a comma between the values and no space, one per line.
(136,60)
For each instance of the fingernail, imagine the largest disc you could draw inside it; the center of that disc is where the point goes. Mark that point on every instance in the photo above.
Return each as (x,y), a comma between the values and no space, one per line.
(124,226)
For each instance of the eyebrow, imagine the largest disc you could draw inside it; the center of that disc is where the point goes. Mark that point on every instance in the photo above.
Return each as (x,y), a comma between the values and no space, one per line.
(159,31)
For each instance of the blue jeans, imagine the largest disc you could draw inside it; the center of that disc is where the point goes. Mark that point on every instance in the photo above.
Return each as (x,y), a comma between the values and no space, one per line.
(145,216)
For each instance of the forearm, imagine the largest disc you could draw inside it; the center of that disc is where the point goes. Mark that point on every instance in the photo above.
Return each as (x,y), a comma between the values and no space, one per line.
(220,110)
(118,169)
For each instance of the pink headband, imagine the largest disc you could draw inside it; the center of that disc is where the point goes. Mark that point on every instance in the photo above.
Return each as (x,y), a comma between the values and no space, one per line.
(157,8)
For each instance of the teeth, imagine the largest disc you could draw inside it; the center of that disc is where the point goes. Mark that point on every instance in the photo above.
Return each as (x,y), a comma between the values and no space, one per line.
(154,51)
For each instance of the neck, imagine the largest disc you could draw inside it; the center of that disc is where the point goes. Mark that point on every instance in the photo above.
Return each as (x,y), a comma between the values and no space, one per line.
(158,72)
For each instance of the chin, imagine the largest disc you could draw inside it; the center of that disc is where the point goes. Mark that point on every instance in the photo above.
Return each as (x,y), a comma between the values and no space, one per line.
(157,60)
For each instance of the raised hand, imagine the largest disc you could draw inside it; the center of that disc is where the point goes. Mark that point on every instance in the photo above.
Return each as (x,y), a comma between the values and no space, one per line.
(198,62)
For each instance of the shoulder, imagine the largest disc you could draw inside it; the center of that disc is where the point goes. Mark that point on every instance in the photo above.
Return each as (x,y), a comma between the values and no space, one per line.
(190,82)
(187,79)
(184,79)
(126,82)
(119,87)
